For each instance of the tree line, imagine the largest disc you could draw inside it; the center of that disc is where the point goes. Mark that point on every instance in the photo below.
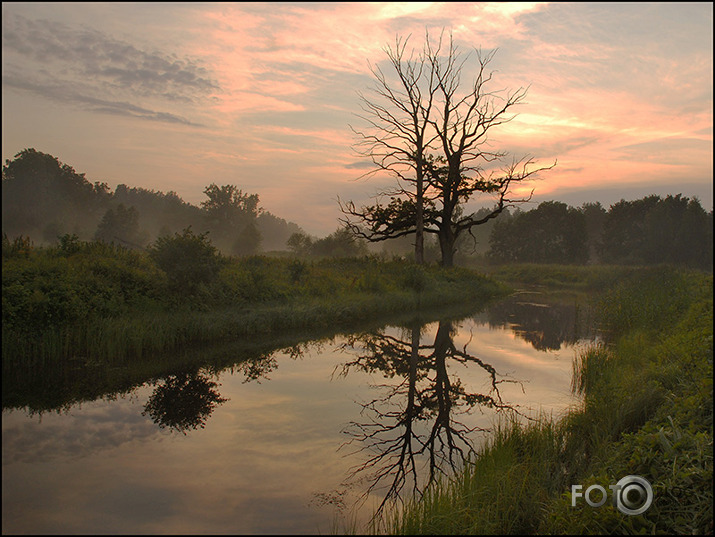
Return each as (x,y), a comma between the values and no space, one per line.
(674,229)
(45,199)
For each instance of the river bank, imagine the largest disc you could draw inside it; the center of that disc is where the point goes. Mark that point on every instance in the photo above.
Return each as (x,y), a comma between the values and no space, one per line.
(646,410)
(102,303)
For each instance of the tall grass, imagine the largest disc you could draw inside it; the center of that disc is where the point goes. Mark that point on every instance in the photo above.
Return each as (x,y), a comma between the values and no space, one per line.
(502,491)
(646,410)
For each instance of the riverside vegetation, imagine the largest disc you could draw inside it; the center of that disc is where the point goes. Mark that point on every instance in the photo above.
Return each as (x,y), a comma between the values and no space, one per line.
(105,302)
(647,410)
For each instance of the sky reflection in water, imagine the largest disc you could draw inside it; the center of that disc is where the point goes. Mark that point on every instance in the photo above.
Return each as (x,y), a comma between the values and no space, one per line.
(268,458)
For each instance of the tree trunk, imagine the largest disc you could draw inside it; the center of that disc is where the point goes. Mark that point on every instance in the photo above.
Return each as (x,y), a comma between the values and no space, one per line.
(419,221)
(446,245)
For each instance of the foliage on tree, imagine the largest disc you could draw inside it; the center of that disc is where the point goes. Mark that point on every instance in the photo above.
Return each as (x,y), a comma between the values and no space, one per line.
(651,230)
(121,226)
(300,244)
(341,243)
(161,213)
(231,217)
(248,240)
(45,198)
(674,229)
(595,215)
(275,231)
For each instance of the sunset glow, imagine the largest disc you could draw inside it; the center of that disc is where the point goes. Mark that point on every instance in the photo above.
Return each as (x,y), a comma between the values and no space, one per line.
(262,95)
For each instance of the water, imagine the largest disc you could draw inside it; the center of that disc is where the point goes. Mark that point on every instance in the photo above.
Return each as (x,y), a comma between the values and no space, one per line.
(294,441)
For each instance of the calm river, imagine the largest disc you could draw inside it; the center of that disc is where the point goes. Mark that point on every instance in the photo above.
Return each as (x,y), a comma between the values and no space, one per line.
(298,440)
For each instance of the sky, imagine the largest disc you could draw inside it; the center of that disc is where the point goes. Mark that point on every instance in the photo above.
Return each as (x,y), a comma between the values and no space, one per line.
(176,96)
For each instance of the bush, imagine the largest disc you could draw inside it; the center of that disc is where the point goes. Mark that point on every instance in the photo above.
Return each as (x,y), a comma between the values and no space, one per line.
(188,260)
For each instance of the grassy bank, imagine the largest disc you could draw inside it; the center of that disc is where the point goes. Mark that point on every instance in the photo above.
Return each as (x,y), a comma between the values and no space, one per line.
(647,410)
(554,276)
(104,302)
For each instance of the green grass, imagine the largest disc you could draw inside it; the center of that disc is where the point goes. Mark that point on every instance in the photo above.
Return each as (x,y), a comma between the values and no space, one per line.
(646,410)
(574,277)
(105,302)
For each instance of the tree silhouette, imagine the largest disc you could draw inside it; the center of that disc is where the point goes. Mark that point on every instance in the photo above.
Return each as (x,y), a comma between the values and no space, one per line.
(430,131)
(121,226)
(231,217)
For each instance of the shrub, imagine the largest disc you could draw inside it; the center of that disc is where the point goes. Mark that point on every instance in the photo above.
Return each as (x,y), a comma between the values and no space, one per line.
(188,260)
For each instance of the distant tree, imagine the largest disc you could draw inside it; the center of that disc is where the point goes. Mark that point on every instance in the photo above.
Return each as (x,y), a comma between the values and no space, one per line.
(228,212)
(623,230)
(595,216)
(677,230)
(475,244)
(161,213)
(300,244)
(275,231)
(551,233)
(340,243)
(674,229)
(248,241)
(121,226)
(44,197)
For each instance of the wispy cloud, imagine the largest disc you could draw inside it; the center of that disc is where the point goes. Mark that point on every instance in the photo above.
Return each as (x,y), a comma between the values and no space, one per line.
(64,92)
(97,72)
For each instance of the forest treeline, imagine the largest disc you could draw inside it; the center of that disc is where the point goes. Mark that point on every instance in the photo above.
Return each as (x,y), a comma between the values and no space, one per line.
(45,199)
(652,230)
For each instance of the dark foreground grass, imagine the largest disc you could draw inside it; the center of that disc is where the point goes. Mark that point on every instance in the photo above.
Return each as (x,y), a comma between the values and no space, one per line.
(647,410)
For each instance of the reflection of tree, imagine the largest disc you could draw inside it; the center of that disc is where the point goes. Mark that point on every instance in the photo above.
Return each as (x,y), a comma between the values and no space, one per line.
(183,401)
(545,326)
(256,368)
(412,426)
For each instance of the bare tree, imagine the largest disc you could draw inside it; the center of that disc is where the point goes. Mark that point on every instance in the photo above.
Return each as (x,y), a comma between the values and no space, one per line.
(449,162)
(398,135)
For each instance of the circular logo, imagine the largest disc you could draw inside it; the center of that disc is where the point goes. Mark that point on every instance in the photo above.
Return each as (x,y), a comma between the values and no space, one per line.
(633,495)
